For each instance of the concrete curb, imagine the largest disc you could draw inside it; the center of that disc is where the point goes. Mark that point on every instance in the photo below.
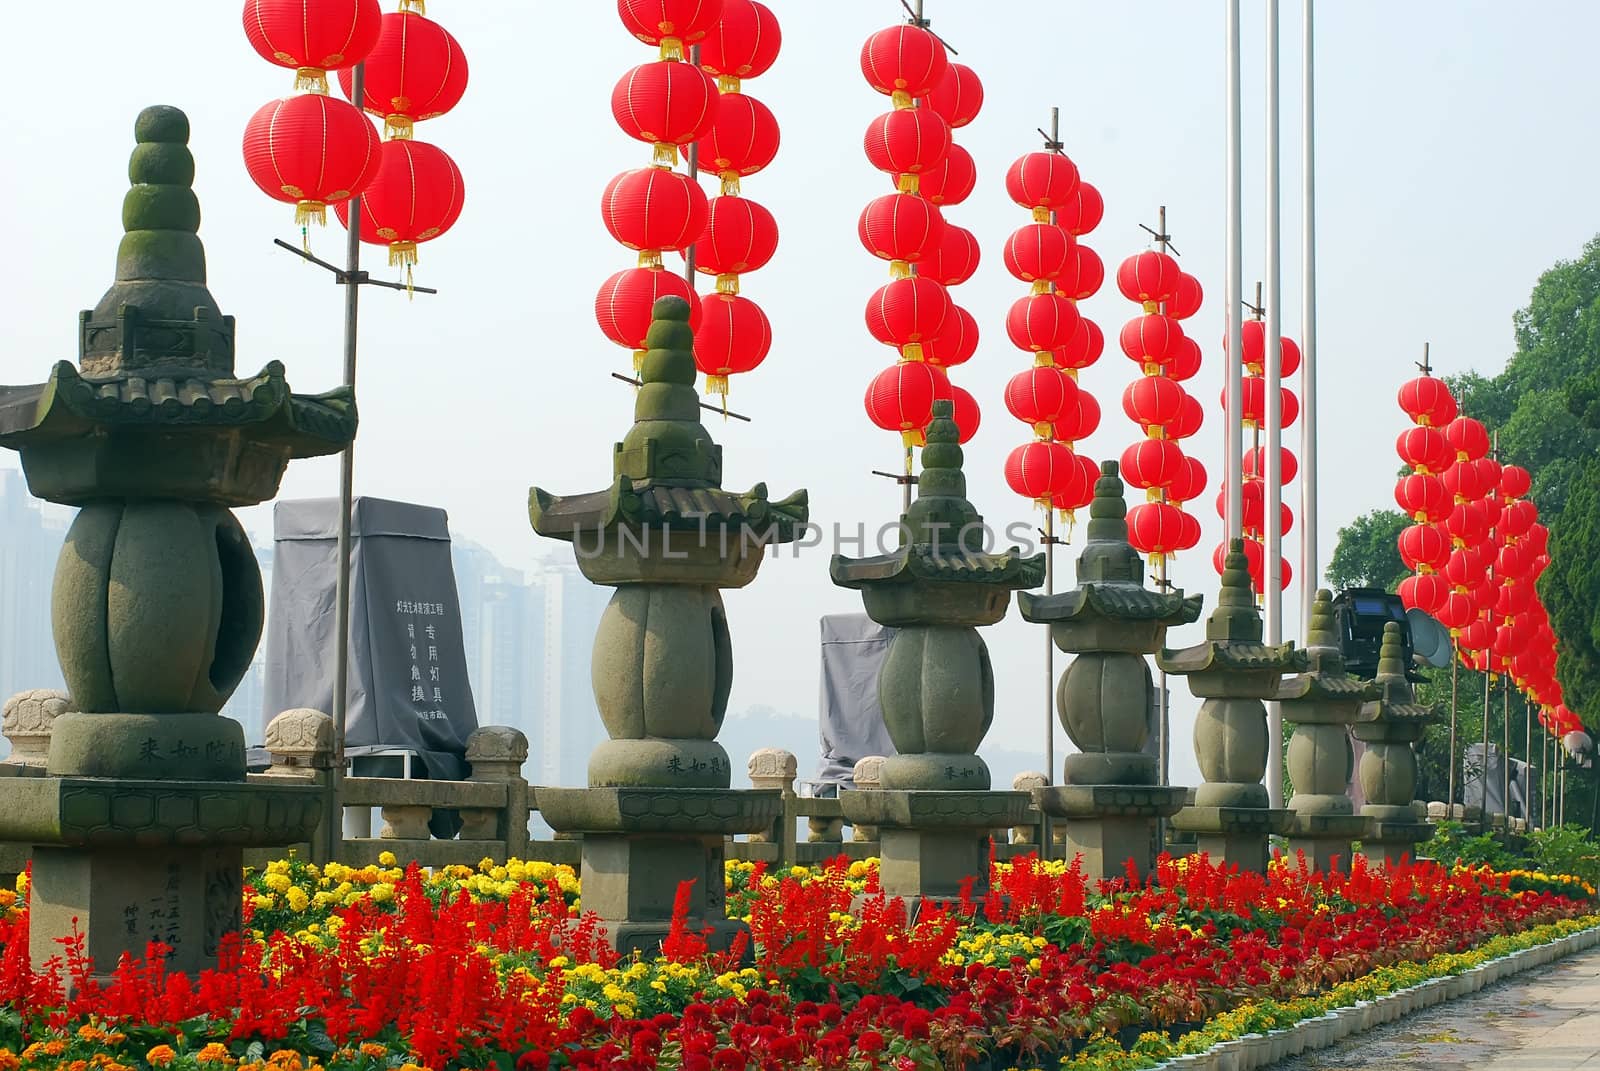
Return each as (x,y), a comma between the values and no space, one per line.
(1256,1051)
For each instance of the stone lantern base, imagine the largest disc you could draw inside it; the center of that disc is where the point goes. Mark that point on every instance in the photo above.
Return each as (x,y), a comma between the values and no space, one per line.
(1326,838)
(932,842)
(1391,839)
(1112,825)
(124,862)
(641,844)
(1234,836)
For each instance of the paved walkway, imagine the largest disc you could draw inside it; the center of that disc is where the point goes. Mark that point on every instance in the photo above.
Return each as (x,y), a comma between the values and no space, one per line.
(1547,1019)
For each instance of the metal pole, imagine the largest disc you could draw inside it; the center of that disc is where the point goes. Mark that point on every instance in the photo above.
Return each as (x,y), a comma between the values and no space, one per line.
(1233,432)
(347,460)
(694,173)
(1049,654)
(1483,773)
(1272,522)
(1163,699)
(1455,684)
(1527,772)
(1505,747)
(1310,566)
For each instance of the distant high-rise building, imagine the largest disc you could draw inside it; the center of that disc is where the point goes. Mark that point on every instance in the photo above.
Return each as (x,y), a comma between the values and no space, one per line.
(571,723)
(247,705)
(31,534)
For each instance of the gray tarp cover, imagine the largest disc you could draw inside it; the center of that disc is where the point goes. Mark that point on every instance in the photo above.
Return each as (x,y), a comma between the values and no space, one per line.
(1472,794)
(851,721)
(408,685)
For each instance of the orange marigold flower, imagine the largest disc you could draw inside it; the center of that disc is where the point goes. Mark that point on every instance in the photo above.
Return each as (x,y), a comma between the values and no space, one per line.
(9,1060)
(160,1056)
(372,1048)
(215,1053)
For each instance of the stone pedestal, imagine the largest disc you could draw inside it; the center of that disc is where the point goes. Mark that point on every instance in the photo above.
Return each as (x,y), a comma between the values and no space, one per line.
(931,843)
(1234,836)
(1110,825)
(640,845)
(1389,725)
(1326,839)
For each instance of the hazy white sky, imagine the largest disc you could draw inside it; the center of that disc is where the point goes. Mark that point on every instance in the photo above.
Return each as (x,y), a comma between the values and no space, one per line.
(1454,164)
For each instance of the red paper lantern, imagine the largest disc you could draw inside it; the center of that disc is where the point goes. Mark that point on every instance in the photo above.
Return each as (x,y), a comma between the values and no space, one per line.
(956,341)
(734,336)
(416,71)
(1538,539)
(1252,345)
(1084,276)
(951,181)
(1039,396)
(1508,642)
(1190,419)
(1464,481)
(313,36)
(416,196)
(1468,437)
(1152,463)
(1079,490)
(1424,547)
(1288,356)
(658,22)
(904,62)
(742,140)
(900,227)
(909,311)
(1455,613)
(1515,481)
(744,43)
(967,415)
(1041,470)
(739,236)
(901,397)
(1149,277)
(1476,635)
(1083,348)
(1426,593)
(1255,460)
(622,307)
(653,209)
(1080,421)
(1186,297)
(1422,498)
(1153,402)
(1514,599)
(958,96)
(1183,362)
(1466,525)
(311,151)
(1189,484)
(1191,532)
(1254,403)
(1427,401)
(1155,528)
(956,259)
(1463,570)
(1150,340)
(1040,323)
(1489,472)
(1255,517)
(1043,181)
(1517,518)
(907,141)
(1038,251)
(666,104)
(1425,450)
(1512,562)
(1084,212)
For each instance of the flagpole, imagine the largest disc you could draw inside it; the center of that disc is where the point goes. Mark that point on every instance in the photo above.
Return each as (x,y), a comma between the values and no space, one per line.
(1310,567)
(1233,431)
(1272,522)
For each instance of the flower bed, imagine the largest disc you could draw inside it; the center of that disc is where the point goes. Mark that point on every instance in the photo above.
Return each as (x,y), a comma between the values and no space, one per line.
(357,970)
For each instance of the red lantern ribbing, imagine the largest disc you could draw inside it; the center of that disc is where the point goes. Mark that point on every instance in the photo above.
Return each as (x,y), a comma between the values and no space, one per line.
(739,235)
(312,37)
(1425,546)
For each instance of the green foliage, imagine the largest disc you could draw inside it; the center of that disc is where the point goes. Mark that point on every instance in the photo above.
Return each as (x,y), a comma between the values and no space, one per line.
(1451,844)
(1367,555)
(1571,591)
(1565,850)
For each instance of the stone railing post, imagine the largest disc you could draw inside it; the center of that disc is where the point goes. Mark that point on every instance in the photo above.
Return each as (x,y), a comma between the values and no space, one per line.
(26,723)
(301,743)
(868,778)
(1027,781)
(775,768)
(496,754)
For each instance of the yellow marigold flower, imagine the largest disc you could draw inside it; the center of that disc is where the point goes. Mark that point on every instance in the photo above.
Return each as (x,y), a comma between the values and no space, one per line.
(277,881)
(215,1053)
(298,900)
(386,859)
(160,1056)
(383,892)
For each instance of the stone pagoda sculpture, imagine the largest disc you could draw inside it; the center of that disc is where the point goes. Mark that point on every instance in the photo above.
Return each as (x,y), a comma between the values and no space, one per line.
(934,812)
(1109,796)
(1322,703)
(668,537)
(1233,672)
(1389,725)
(157,607)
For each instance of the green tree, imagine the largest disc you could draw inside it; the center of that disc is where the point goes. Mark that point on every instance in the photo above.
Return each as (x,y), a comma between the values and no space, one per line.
(1367,554)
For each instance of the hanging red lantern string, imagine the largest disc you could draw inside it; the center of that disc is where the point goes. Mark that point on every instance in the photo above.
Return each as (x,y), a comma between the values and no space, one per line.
(913,313)
(1445,576)
(670,104)
(312,37)
(1046,324)
(739,236)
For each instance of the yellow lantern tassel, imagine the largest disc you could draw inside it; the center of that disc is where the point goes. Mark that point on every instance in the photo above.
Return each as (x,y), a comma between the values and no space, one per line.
(672,49)
(1044,430)
(416,7)
(727,83)
(305,239)
(1046,359)
(1151,307)
(899,269)
(911,351)
(1153,494)
(664,155)
(398,127)
(908,182)
(650,258)
(728,283)
(716,384)
(308,212)
(912,438)
(1041,215)
(1152,369)
(311,79)
(901,100)
(1070,518)
(730,183)
(1042,286)
(638,362)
